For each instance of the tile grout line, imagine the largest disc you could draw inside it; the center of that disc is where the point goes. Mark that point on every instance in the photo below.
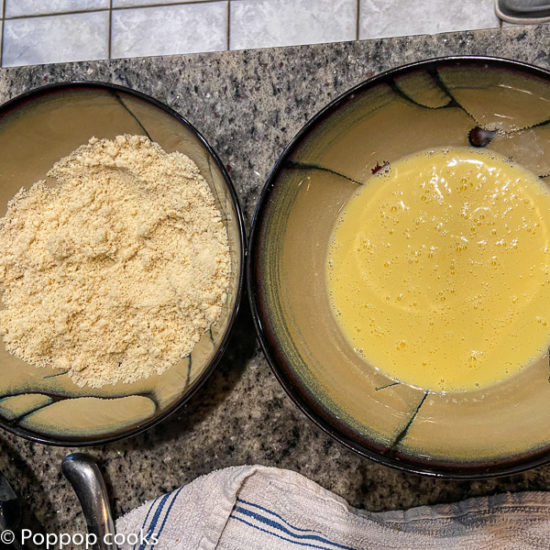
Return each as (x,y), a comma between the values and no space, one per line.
(357,15)
(113,8)
(4,2)
(110,27)
(165,4)
(74,12)
(228,30)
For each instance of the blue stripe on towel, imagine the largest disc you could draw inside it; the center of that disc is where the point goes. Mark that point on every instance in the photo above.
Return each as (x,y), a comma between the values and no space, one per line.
(167,514)
(274,524)
(147,517)
(279,536)
(276,515)
(156,516)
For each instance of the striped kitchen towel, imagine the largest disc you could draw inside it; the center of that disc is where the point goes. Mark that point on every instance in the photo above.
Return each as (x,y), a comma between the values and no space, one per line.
(259,508)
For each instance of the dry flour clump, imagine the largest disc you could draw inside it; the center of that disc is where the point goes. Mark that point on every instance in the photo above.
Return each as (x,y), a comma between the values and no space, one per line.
(116,271)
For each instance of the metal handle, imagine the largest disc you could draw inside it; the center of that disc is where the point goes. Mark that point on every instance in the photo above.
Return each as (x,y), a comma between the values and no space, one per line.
(89,486)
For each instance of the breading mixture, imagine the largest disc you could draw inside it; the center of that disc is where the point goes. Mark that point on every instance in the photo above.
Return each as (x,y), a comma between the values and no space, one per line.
(116,271)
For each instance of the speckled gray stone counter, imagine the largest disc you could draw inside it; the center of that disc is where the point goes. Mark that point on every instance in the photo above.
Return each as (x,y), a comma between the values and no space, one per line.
(249,105)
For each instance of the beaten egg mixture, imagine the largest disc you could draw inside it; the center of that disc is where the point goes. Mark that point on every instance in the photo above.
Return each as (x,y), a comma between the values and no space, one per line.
(438,270)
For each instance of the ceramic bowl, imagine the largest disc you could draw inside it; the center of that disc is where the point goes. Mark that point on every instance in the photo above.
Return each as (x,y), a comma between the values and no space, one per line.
(37,129)
(498,104)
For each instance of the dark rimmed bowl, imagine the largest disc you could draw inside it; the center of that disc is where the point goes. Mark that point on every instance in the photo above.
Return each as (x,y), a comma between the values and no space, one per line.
(502,429)
(37,129)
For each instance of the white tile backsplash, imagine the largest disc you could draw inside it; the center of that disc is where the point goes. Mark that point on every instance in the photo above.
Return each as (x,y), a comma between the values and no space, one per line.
(163,27)
(265,23)
(383,18)
(165,30)
(16,8)
(56,38)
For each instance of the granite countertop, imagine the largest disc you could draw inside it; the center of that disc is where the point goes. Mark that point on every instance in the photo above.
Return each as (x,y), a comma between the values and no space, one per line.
(248,105)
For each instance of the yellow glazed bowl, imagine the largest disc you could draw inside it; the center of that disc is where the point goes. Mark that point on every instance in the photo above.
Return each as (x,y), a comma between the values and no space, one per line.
(484,102)
(37,129)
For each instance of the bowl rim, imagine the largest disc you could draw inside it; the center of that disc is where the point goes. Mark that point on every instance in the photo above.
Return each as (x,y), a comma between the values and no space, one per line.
(178,404)
(282,369)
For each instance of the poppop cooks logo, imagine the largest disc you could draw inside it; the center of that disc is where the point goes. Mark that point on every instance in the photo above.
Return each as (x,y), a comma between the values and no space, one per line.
(61,541)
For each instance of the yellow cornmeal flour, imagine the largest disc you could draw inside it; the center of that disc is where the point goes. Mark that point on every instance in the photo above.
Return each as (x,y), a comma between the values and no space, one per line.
(116,271)
(439,271)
